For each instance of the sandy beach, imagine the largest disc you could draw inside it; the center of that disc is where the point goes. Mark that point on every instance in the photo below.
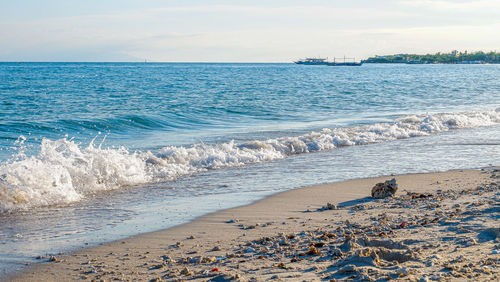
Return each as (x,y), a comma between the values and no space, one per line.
(438,226)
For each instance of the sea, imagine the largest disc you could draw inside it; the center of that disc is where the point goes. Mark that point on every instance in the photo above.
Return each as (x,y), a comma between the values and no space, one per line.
(96,152)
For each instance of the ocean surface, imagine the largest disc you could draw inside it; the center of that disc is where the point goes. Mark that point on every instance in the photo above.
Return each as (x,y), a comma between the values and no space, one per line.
(94,152)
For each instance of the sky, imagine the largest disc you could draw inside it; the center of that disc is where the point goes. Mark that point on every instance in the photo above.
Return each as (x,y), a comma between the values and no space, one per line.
(241,30)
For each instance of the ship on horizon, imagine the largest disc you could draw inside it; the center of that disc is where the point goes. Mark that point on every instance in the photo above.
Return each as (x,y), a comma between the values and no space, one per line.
(349,62)
(312,61)
(324,61)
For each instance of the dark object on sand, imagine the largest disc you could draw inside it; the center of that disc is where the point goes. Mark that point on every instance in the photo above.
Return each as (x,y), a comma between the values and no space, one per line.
(418,195)
(384,190)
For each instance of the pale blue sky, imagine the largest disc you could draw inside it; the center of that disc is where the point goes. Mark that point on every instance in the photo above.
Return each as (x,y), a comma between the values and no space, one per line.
(241,30)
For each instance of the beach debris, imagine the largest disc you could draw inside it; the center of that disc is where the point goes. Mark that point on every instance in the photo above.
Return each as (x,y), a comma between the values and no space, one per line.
(467,242)
(215,249)
(385,189)
(280,265)
(329,206)
(414,195)
(194,259)
(208,259)
(166,259)
(185,271)
(319,244)
(177,245)
(313,251)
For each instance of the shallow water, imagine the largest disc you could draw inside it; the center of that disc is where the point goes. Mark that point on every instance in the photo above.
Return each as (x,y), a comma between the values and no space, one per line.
(223,135)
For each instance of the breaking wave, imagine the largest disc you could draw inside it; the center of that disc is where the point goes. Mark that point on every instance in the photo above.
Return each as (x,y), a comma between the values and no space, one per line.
(64,171)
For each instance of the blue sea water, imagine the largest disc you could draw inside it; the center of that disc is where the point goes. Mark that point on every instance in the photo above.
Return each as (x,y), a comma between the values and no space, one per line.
(92,152)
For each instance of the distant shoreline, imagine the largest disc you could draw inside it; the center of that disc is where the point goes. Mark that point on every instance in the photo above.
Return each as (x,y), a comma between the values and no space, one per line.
(454,57)
(411,63)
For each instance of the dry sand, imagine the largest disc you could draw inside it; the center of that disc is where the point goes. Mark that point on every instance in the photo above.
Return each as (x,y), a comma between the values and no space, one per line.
(439,226)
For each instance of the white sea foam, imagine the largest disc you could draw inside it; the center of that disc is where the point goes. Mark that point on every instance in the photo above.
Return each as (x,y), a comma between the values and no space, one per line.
(64,171)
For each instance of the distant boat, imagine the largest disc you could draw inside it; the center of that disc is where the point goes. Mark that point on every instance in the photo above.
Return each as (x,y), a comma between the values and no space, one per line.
(312,61)
(351,63)
(325,62)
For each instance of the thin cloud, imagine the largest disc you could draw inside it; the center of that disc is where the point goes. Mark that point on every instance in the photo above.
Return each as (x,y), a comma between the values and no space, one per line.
(443,5)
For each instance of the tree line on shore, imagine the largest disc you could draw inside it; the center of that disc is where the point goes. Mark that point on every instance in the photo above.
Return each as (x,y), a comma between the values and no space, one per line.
(454,57)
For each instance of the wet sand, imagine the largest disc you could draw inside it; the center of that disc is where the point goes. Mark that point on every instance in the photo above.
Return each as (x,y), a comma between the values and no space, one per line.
(438,226)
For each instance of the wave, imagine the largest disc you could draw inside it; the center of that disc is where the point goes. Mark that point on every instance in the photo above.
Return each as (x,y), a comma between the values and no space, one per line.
(64,171)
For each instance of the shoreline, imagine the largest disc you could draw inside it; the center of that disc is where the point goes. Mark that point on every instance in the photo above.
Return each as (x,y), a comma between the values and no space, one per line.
(216,241)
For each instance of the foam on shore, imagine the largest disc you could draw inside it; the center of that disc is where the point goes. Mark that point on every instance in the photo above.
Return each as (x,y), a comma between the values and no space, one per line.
(65,171)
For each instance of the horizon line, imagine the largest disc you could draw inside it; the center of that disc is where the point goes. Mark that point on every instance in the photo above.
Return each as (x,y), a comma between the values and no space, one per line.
(149,62)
